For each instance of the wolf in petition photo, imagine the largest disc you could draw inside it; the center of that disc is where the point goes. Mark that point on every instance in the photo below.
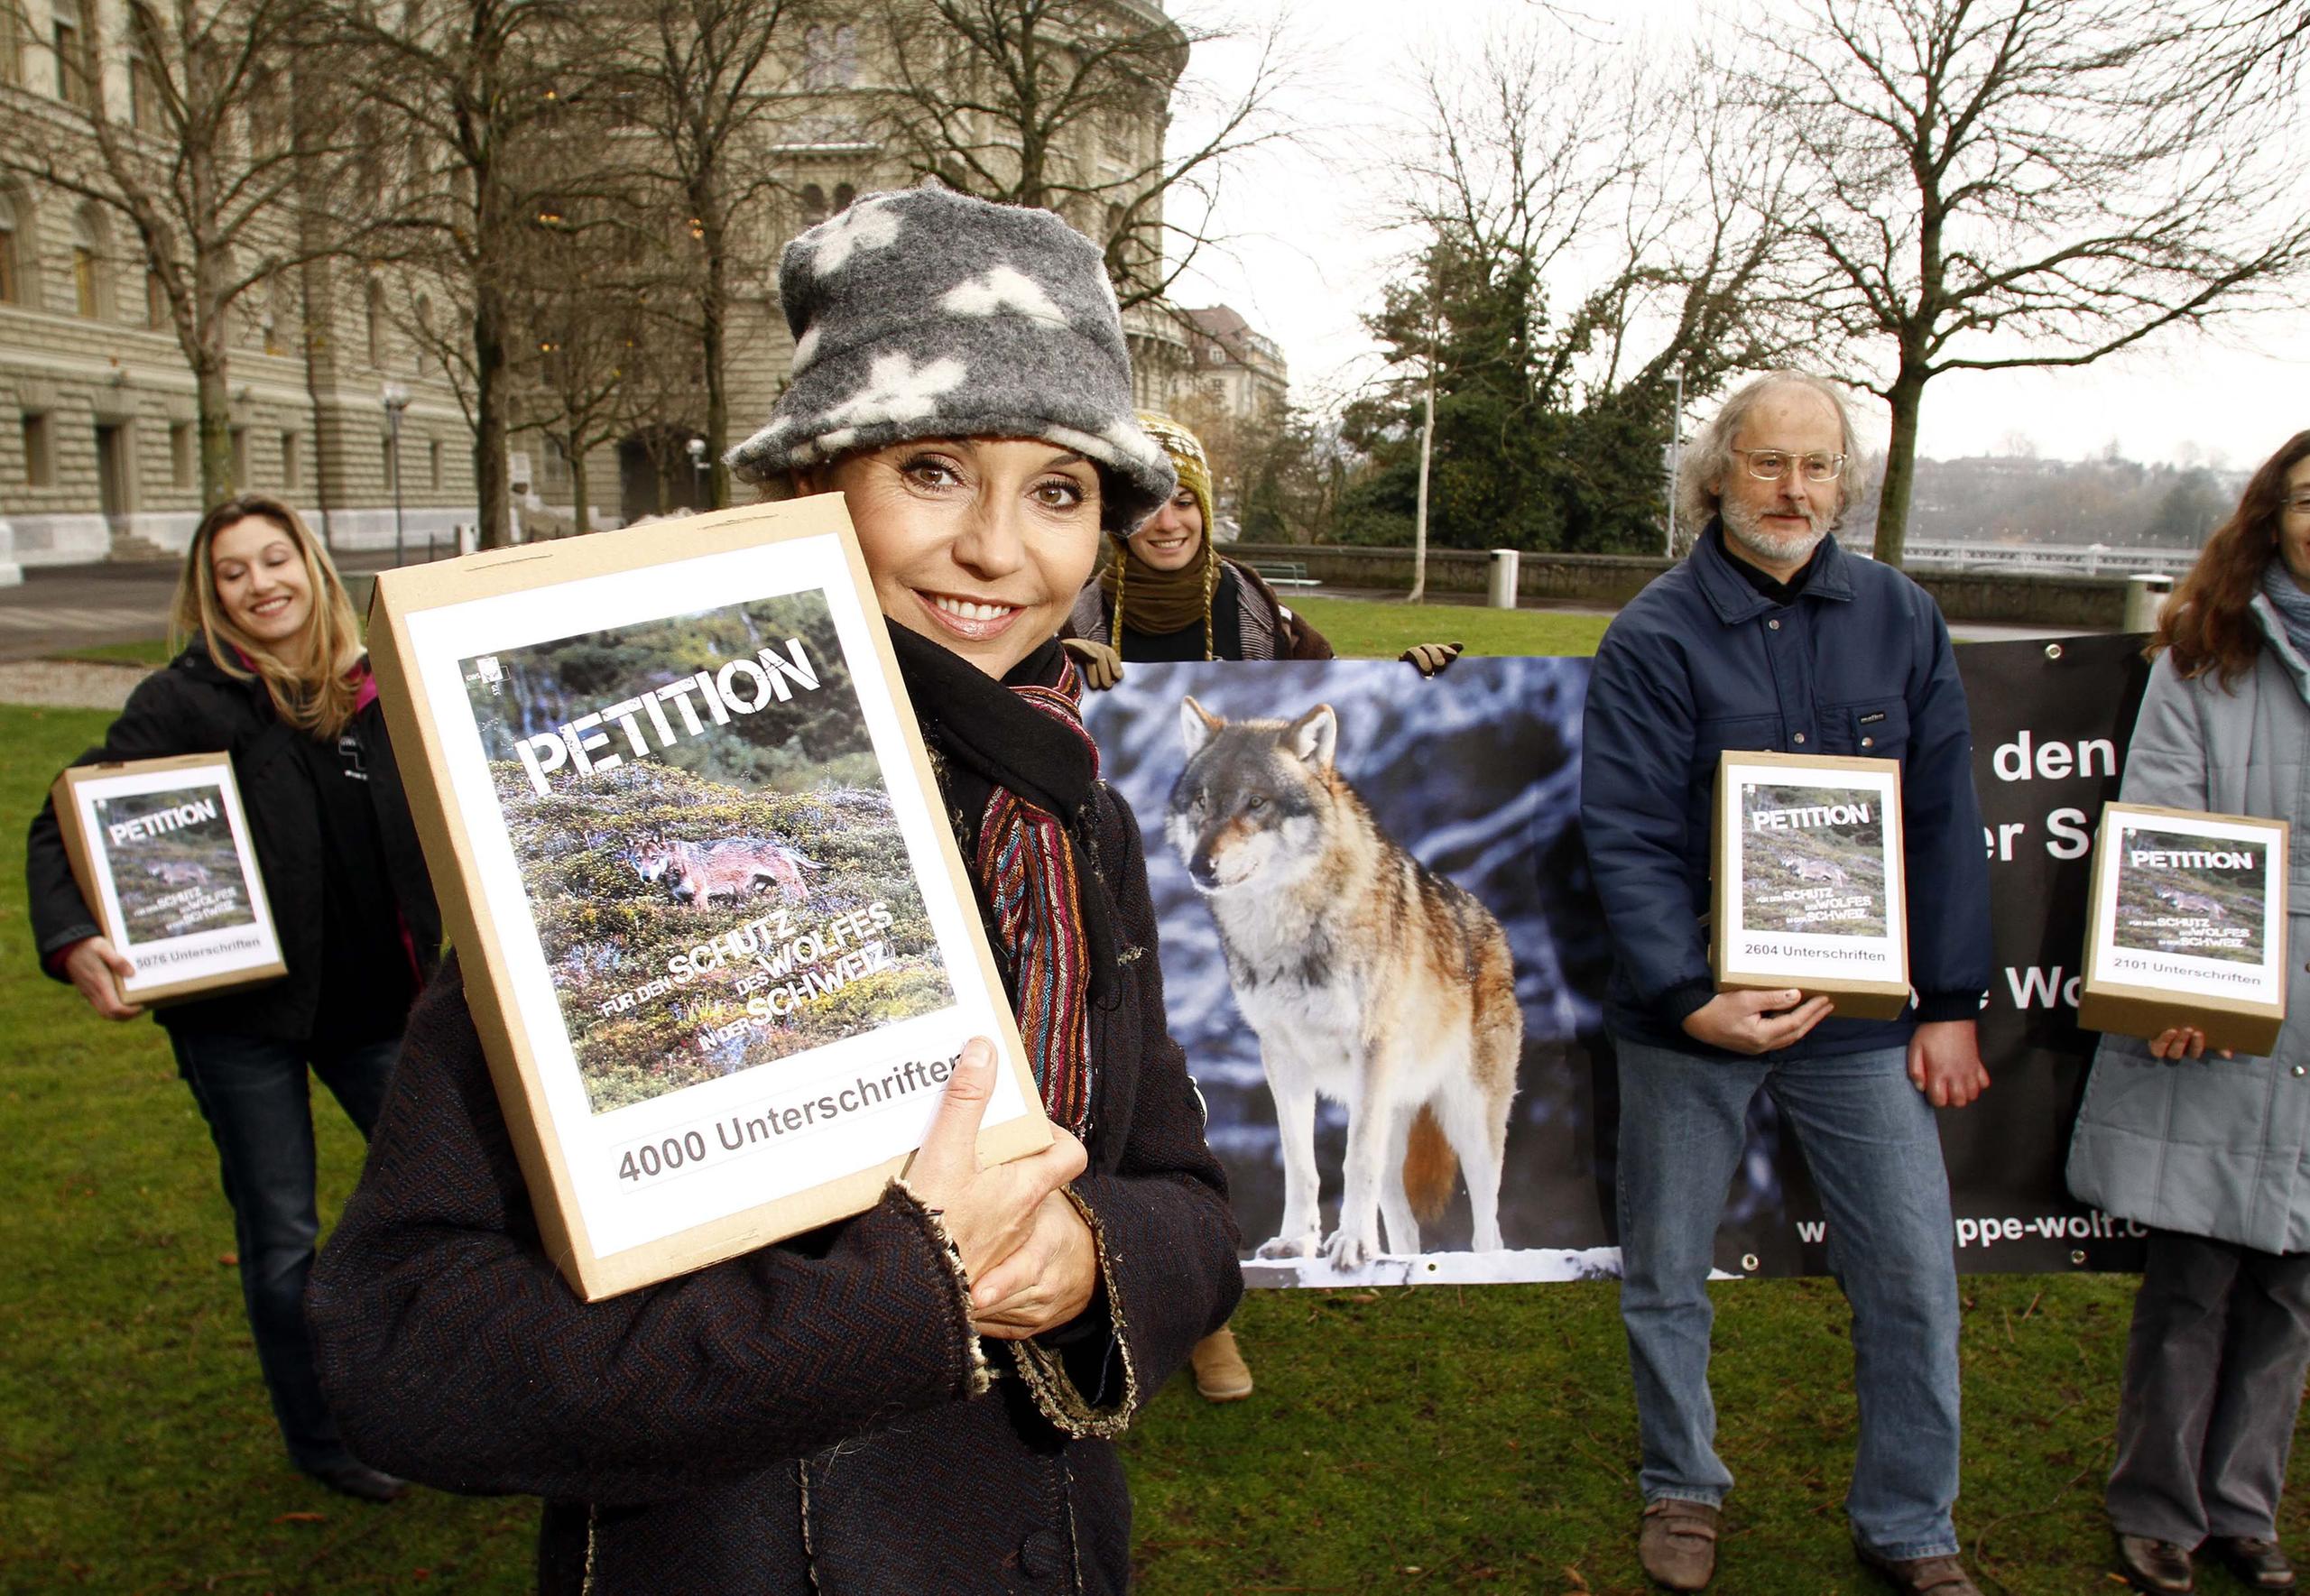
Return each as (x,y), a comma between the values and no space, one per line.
(733,868)
(1369,980)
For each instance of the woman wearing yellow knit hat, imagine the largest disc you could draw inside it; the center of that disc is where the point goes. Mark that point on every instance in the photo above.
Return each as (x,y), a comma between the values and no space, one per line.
(1166,594)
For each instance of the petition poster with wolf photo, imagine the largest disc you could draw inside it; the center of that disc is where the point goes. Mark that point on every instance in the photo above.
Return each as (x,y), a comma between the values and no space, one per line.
(706,844)
(2183,892)
(1378,937)
(1812,860)
(176,868)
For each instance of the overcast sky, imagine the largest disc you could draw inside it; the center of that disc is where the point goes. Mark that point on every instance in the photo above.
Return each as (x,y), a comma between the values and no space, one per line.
(1308,255)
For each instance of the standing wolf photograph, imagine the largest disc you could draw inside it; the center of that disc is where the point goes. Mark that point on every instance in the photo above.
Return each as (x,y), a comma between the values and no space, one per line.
(1371,981)
(1375,954)
(706,841)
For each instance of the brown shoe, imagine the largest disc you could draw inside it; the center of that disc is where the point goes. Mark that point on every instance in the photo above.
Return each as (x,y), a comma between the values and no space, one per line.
(2258,1564)
(1220,1375)
(2159,1566)
(1676,1543)
(1920,1576)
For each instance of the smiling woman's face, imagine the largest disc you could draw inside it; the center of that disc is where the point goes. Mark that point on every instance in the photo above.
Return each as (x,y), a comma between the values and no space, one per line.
(260,581)
(979,544)
(1172,538)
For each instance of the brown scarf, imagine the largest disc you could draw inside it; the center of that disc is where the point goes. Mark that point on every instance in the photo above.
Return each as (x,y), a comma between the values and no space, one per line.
(1161,602)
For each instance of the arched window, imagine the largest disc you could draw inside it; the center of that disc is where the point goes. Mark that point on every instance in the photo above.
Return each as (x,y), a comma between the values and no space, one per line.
(813,204)
(843,192)
(377,326)
(417,345)
(12,281)
(156,302)
(91,289)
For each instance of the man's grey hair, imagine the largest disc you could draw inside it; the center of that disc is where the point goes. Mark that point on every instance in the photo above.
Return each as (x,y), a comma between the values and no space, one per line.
(1710,454)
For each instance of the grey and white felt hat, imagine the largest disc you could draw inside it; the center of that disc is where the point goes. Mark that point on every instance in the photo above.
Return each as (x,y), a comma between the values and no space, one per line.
(925,313)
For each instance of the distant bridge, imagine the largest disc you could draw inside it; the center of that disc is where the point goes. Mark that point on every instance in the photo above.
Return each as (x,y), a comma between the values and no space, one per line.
(2087,559)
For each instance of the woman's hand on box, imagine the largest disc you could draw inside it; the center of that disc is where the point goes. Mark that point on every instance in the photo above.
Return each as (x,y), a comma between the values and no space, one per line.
(989,1214)
(2179,1042)
(1044,1284)
(98,969)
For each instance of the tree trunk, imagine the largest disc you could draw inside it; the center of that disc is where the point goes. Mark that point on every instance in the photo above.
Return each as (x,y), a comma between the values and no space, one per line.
(215,402)
(1907,397)
(490,465)
(580,509)
(711,338)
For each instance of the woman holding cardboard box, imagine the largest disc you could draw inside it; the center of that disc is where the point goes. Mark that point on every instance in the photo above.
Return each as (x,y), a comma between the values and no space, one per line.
(2209,1152)
(918,1398)
(274,675)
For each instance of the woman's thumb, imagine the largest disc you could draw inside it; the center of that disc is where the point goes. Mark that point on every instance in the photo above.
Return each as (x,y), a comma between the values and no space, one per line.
(952,1141)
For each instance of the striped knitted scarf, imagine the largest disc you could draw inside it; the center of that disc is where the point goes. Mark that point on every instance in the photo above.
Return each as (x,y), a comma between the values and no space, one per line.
(1018,763)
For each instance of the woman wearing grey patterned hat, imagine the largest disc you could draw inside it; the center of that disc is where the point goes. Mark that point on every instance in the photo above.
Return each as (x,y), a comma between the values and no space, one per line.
(919,1398)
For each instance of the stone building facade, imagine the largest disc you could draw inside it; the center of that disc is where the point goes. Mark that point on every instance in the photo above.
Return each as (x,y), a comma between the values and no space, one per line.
(99,447)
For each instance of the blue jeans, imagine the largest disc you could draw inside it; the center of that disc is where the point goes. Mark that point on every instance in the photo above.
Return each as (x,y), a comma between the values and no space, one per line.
(252,1093)
(1868,1139)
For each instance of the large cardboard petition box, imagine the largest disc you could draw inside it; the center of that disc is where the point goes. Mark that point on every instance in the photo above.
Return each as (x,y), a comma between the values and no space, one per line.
(2185,925)
(1808,880)
(716,937)
(161,853)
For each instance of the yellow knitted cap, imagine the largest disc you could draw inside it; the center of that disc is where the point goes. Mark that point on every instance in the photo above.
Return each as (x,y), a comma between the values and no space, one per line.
(1187,457)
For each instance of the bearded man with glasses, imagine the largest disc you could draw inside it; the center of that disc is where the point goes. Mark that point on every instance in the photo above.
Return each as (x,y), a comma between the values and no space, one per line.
(1770,637)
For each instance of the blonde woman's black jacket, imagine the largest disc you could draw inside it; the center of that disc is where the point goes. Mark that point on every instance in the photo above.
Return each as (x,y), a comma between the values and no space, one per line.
(815,1416)
(193,707)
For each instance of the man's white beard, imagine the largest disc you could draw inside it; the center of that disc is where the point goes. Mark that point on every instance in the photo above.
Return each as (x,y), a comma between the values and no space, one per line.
(1745,527)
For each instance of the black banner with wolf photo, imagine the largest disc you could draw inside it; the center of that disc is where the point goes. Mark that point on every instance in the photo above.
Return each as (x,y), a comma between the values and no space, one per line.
(1343,858)
(727,885)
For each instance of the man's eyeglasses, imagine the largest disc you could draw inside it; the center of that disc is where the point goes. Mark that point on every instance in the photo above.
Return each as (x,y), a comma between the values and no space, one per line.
(1772,465)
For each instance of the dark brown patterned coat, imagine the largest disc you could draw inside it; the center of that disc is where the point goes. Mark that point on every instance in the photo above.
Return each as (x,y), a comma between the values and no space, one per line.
(815,1416)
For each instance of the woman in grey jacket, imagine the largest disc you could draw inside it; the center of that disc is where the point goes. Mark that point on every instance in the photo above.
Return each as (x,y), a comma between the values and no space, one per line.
(2213,1153)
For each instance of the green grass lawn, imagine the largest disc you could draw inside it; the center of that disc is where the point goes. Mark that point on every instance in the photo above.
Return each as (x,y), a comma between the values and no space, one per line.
(1435,1439)
(153,652)
(1360,627)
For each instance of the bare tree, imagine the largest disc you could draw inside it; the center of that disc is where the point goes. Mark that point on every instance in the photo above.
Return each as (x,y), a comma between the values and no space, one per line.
(703,78)
(212,158)
(491,107)
(1992,184)
(1589,229)
(1064,103)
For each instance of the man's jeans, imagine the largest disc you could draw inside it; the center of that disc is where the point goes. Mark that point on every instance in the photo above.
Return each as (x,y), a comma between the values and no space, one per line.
(252,1093)
(1868,1139)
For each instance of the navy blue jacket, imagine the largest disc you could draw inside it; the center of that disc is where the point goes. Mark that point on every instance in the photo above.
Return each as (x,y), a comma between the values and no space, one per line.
(1858,662)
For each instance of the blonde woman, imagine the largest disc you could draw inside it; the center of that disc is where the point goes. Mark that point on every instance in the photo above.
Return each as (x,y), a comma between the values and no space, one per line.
(272,671)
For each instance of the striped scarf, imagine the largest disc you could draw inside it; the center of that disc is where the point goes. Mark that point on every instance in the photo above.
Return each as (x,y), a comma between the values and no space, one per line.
(1026,865)
(1016,759)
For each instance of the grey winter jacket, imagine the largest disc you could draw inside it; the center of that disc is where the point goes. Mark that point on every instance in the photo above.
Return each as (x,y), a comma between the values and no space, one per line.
(2215,1147)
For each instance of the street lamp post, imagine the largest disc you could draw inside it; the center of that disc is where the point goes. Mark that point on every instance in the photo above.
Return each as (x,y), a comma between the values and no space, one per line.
(1675,451)
(396,398)
(697,447)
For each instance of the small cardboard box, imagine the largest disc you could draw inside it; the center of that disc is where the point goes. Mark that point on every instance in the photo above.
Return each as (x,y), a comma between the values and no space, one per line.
(160,850)
(1808,892)
(2185,925)
(718,942)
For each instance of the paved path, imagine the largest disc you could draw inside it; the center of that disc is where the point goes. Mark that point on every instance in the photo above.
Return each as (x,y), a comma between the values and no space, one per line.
(62,607)
(65,684)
